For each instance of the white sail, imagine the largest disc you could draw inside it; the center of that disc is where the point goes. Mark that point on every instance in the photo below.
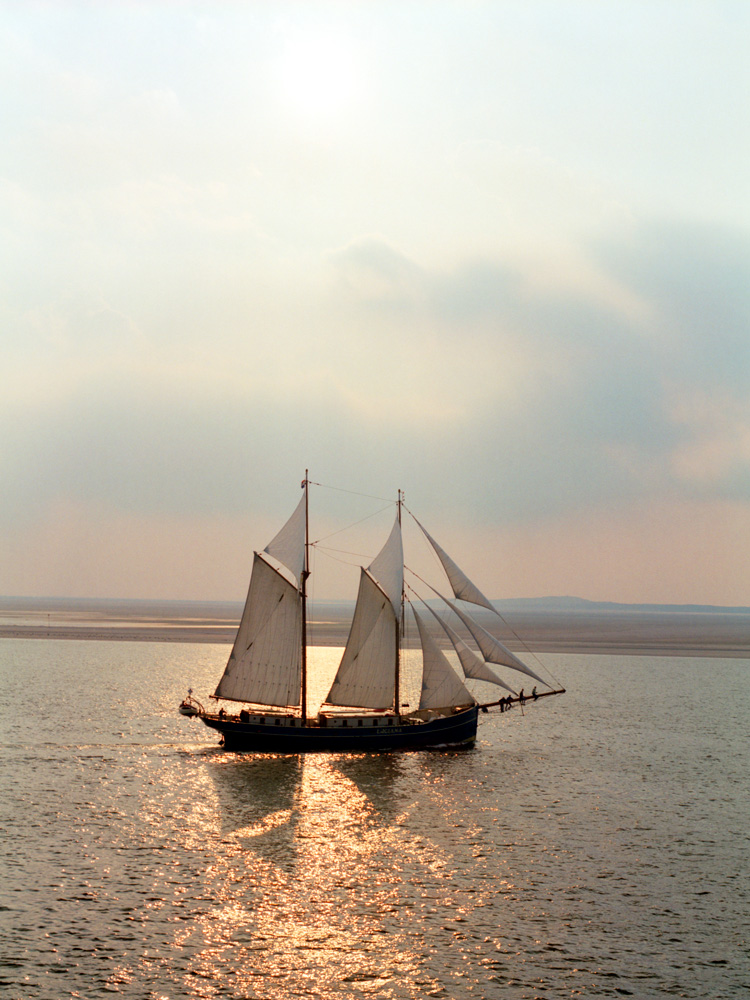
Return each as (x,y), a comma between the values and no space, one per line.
(473,666)
(265,663)
(388,567)
(491,648)
(463,588)
(367,672)
(288,546)
(441,685)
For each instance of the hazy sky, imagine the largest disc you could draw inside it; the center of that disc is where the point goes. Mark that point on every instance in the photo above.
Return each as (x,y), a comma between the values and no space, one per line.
(496,254)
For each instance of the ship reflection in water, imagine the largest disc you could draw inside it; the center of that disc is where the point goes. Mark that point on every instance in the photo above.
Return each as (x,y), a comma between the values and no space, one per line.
(319,875)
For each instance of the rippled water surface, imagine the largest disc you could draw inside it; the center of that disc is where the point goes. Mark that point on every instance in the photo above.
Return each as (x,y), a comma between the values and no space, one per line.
(595,846)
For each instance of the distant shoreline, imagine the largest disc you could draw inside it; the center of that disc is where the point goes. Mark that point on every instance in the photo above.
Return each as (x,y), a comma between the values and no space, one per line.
(600,633)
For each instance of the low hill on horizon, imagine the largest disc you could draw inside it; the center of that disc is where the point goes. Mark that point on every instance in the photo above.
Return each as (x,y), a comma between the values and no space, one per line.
(233,609)
(562,604)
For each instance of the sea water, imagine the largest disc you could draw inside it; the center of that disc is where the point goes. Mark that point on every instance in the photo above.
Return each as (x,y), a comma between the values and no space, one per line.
(594,845)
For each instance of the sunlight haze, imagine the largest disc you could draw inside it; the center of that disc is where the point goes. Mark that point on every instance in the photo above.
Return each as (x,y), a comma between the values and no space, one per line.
(495,254)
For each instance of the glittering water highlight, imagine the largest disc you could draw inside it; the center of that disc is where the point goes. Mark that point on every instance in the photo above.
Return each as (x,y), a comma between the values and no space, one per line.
(594,846)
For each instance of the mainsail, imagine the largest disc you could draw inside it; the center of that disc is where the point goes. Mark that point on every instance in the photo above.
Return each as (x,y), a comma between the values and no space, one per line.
(367,673)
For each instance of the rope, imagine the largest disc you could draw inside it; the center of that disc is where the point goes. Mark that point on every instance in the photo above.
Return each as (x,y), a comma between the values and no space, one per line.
(354,493)
(354,524)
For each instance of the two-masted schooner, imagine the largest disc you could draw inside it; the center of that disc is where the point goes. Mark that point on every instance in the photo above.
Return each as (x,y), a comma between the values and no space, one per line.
(267,670)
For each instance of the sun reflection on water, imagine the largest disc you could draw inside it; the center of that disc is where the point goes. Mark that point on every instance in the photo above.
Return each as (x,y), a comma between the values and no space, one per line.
(315,877)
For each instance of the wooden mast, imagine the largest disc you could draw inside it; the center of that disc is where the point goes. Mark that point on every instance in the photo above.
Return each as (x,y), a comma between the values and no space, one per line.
(399,630)
(303,594)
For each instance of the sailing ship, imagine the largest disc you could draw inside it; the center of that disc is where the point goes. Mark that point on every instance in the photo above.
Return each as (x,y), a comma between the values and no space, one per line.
(364,710)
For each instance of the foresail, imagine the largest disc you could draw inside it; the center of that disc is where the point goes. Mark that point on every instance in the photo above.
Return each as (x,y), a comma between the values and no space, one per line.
(366,675)
(473,666)
(288,546)
(265,663)
(463,588)
(441,685)
(491,648)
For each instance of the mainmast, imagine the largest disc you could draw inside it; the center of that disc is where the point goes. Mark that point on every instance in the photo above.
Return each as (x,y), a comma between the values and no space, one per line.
(303,595)
(399,629)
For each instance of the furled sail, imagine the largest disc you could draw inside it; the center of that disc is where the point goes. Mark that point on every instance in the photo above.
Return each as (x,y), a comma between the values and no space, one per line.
(463,588)
(491,648)
(288,546)
(473,666)
(366,675)
(441,685)
(264,666)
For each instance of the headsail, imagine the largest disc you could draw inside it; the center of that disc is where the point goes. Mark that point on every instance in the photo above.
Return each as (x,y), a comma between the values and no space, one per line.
(463,588)
(265,663)
(491,648)
(473,666)
(441,685)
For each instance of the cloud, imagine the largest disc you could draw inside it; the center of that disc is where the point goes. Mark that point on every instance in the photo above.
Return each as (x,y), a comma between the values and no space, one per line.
(547,397)
(376,272)
(697,275)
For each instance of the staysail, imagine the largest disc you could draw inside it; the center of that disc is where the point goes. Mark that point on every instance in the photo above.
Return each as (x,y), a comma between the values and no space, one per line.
(463,588)
(366,675)
(441,685)
(491,648)
(473,666)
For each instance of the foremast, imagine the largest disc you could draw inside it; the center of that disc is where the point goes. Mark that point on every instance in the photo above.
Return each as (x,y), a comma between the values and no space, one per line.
(399,629)
(303,599)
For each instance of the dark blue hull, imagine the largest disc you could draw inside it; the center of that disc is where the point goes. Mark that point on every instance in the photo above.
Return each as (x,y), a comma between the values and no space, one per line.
(289,736)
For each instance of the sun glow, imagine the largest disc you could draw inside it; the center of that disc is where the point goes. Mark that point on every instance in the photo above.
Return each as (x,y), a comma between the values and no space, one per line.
(319,73)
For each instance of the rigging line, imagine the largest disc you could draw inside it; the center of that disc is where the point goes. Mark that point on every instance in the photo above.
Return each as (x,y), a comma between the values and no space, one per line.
(421,580)
(311,582)
(408,586)
(354,524)
(354,493)
(343,562)
(346,552)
